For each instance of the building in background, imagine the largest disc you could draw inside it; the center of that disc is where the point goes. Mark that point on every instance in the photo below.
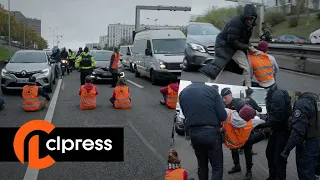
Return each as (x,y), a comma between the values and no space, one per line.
(92,46)
(29,22)
(278,5)
(103,41)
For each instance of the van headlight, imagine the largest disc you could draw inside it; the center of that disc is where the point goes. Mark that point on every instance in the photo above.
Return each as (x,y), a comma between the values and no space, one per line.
(197,47)
(4,72)
(162,65)
(45,71)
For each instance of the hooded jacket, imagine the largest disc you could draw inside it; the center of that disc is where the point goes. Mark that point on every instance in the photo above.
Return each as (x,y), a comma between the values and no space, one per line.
(234,36)
(89,87)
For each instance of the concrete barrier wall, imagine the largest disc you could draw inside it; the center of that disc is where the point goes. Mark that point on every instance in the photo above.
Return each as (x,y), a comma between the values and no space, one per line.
(4,44)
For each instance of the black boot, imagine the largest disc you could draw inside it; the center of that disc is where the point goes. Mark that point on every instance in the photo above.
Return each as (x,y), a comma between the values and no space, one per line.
(235,169)
(248,175)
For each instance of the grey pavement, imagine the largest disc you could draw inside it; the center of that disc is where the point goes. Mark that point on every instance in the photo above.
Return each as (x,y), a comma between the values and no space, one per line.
(147,132)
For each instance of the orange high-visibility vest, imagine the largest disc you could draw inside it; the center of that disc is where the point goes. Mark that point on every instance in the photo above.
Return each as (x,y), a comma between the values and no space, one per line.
(235,138)
(172,98)
(30,95)
(115,61)
(262,67)
(122,98)
(88,98)
(176,174)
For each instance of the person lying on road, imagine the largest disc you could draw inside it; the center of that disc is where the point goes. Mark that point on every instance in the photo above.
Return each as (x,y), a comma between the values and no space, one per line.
(121,95)
(30,95)
(170,93)
(88,93)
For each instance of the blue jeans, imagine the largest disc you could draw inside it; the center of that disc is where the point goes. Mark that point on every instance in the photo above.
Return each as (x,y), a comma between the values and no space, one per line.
(165,97)
(306,157)
(1,102)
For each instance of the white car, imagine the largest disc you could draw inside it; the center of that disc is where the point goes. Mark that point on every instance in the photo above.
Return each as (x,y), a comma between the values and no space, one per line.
(315,37)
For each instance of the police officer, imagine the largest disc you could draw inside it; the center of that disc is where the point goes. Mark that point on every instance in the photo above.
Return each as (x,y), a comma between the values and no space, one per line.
(278,104)
(71,58)
(204,111)
(251,101)
(86,63)
(305,135)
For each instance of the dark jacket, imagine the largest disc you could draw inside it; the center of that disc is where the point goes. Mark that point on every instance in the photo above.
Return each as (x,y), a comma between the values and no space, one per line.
(202,105)
(234,36)
(64,54)
(56,56)
(254,104)
(233,103)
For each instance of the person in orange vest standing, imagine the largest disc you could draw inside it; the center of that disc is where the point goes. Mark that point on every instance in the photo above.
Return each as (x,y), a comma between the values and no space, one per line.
(174,169)
(113,67)
(264,66)
(88,93)
(238,127)
(170,93)
(30,95)
(121,95)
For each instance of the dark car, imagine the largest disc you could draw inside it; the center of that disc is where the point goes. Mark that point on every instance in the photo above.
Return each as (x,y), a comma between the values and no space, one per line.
(102,57)
(200,44)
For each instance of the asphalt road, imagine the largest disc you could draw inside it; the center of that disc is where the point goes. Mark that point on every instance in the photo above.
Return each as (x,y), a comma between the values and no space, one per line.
(286,80)
(147,128)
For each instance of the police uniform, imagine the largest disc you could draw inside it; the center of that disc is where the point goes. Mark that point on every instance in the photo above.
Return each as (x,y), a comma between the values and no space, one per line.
(86,63)
(305,135)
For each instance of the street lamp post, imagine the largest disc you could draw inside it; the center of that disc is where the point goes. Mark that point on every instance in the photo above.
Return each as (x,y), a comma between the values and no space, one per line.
(9,26)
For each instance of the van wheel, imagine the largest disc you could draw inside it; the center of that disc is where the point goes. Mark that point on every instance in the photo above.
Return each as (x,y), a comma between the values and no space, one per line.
(136,73)
(154,80)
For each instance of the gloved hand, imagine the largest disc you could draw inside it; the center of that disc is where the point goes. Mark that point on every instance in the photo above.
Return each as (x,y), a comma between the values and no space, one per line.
(284,155)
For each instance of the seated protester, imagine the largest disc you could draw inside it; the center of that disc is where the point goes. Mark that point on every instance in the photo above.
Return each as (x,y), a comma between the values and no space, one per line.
(121,95)
(30,94)
(170,93)
(174,170)
(88,93)
(238,127)
(1,103)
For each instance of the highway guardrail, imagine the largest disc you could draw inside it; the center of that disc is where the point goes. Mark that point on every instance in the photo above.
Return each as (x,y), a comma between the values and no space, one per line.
(296,57)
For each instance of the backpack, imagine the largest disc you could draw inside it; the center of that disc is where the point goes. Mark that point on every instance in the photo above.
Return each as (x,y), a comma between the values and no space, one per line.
(288,109)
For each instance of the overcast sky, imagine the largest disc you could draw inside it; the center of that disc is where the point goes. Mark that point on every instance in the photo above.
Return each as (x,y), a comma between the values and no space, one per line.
(82,21)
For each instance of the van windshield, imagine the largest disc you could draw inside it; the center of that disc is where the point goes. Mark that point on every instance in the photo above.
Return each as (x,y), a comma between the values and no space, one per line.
(169,46)
(202,29)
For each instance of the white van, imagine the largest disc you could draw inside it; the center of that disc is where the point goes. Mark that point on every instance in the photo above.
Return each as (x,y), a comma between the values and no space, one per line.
(158,53)
(315,37)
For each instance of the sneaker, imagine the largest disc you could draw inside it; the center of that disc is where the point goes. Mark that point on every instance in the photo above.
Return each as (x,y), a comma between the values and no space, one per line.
(162,102)
(248,176)
(235,169)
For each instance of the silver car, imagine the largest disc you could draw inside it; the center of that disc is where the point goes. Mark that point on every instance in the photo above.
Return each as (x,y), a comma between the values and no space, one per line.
(26,63)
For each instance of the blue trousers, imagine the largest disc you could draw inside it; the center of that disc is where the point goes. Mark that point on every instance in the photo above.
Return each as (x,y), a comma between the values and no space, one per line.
(306,157)
(1,102)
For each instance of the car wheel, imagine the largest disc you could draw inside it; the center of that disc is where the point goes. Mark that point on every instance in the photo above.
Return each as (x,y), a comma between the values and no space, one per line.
(5,91)
(136,73)
(185,66)
(154,80)
(49,89)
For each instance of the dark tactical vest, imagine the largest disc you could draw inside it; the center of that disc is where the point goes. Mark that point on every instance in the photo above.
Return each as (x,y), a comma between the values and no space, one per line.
(86,61)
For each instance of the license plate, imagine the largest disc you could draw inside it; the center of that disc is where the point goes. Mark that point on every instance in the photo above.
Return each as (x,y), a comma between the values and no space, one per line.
(22,80)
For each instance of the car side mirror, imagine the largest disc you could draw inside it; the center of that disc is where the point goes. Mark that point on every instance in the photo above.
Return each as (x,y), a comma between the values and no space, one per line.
(148,52)
(6,61)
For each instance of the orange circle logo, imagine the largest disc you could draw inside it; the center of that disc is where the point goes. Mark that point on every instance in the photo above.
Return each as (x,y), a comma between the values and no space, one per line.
(33,145)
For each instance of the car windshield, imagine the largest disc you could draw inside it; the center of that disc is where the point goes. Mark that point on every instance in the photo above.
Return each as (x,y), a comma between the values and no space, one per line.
(29,57)
(102,55)
(259,95)
(202,29)
(169,46)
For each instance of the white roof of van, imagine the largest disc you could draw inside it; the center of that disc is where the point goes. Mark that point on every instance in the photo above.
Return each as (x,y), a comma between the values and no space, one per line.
(161,34)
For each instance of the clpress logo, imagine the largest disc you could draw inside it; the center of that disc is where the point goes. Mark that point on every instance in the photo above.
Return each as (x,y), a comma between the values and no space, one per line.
(47,144)
(19,139)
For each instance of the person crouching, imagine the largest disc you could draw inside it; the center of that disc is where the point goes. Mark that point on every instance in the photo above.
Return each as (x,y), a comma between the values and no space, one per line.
(88,93)
(121,95)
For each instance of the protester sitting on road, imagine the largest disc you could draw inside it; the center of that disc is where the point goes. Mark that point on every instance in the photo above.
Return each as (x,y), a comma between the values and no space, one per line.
(232,44)
(174,169)
(238,128)
(88,93)
(30,94)
(121,95)
(1,103)
(264,66)
(170,93)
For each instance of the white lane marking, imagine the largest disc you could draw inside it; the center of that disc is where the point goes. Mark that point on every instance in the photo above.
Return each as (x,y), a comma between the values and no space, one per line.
(139,86)
(62,86)
(32,174)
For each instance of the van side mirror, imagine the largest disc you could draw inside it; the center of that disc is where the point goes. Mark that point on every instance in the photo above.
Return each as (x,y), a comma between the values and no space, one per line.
(128,53)
(6,61)
(148,52)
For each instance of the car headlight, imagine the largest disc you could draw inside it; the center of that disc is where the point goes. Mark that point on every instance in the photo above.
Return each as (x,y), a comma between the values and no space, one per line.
(64,61)
(4,72)
(45,71)
(162,65)
(197,47)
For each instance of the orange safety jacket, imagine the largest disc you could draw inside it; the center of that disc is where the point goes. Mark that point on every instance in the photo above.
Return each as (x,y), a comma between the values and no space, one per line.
(115,61)
(176,174)
(172,98)
(88,98)
(30,95)
(235,138)
(122,98)
(262,67)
